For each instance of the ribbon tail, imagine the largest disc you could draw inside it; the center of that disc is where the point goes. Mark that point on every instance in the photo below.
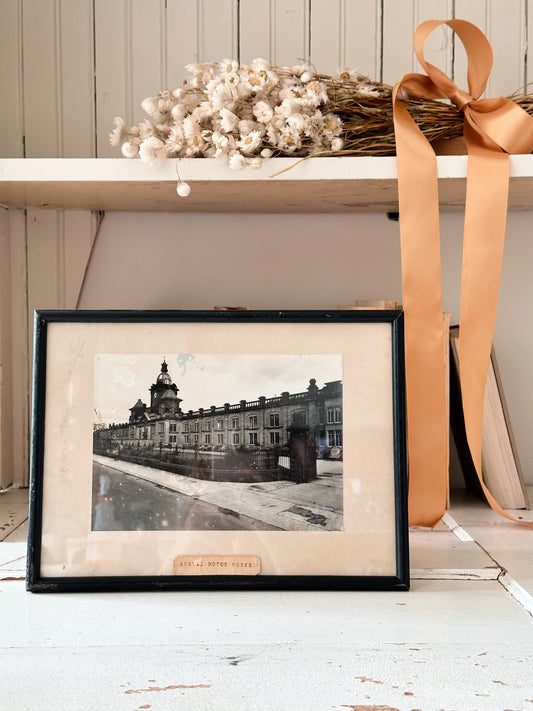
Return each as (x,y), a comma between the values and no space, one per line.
(427,422)
(483,246)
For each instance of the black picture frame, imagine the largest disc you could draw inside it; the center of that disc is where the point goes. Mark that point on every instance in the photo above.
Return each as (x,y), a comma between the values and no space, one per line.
(358,542)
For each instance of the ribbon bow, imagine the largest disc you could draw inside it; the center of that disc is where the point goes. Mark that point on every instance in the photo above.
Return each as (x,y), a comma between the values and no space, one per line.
(493,129)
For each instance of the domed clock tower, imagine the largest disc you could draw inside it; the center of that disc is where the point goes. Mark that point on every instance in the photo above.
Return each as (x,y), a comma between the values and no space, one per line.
(163,388)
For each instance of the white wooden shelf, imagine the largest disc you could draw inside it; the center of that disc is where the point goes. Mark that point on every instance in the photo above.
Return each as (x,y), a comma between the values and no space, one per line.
(351,184)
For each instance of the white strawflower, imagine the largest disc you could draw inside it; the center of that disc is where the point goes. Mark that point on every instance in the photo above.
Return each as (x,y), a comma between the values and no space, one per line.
(223,97)
(232,80)
(263,112)
(194,68)
(203,111)
(289,140)
(146,129)
(178,112)
(119,134)
(228,66)
(193,83)
(307,76)
(298,121)
(337,144)
(267,153)
(367,90)
(272,132)
(130,149)
(183,189)
(175,140)
(290,106)
(191,126)
(228,120)
(150,105)
(347,74)
(195,144)
(237,161)
(252,79)
(315,92)
(221,142)
(246,126)
(250,142)
(153,151)
(299,69)
(292,91)
(332,124)
(165,106)
(202,73)
(259,65)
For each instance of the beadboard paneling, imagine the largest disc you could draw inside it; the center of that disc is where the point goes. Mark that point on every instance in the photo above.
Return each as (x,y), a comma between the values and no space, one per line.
(41,49)
(290,31)
(76,110)
(400,19)
(181,40)
(113,70)
(20,354)
(58,69)
(12,133)
(6,395)
(327,22)
(529,38)
(361,38)
(218,30)
(507,35)
(59,243)
(147,46)
(255,30)
(506,29)
(343,37)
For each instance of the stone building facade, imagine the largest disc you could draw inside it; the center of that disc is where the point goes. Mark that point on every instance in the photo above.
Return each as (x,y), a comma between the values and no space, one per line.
(262,423)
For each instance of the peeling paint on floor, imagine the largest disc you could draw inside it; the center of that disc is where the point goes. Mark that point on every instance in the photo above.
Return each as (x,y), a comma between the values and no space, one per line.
(168,688)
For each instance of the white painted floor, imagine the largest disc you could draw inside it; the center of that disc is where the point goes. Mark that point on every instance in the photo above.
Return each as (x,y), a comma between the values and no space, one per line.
(460,640)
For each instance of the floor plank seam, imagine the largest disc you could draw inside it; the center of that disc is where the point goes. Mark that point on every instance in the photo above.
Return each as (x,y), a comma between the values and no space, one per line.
(511,586)
(455,528)
(516,591)
(456,574)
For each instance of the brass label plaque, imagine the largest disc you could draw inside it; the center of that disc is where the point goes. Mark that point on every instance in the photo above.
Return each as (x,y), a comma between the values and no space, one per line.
(217,565)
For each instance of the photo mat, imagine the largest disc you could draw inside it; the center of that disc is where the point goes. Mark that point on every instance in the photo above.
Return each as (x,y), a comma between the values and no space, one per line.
(285,452)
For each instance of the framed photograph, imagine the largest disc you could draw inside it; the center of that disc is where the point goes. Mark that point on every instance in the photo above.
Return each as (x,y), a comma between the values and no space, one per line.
(218,449)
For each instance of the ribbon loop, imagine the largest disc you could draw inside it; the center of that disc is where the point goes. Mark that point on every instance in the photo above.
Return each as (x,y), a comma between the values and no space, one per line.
(493,128)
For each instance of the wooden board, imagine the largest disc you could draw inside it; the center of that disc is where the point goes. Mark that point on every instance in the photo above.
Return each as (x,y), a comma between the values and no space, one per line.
(314,185)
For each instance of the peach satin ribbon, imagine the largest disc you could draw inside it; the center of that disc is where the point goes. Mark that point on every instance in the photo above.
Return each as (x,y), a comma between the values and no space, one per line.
(493,129)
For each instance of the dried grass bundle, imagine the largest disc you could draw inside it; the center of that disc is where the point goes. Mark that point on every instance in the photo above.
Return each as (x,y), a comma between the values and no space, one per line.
(368,117)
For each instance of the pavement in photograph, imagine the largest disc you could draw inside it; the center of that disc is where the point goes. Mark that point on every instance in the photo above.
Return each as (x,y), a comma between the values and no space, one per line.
(314,506)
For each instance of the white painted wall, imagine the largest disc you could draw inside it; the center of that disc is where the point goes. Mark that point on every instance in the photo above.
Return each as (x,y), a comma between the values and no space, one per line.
(70,66)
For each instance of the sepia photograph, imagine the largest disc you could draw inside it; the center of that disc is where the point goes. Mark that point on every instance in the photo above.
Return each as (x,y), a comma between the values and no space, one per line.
(218,442)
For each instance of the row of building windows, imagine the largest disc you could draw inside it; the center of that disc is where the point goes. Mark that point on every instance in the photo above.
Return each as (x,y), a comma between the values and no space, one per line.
(333,416)
(334,439)
(235,439)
